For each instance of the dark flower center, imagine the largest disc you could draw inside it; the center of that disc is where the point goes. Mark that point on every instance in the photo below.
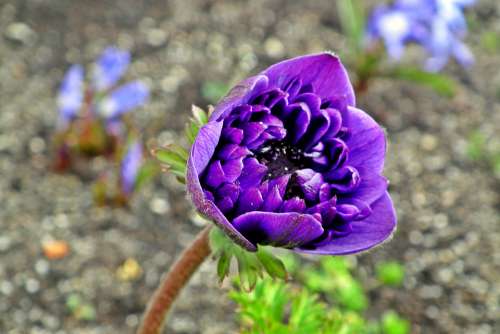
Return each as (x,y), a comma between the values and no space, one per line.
(280,158)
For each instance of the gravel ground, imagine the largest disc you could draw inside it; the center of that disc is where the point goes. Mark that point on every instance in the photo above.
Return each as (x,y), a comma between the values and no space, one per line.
(448,206)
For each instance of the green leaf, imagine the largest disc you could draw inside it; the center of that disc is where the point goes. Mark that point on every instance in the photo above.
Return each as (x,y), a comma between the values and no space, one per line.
(273,265)
(392,323)
(73,302)
(476,145)
(86,312)
(440,83)
(352,20)
(390,273)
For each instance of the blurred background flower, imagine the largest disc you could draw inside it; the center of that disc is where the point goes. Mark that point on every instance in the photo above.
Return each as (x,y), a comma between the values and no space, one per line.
(439,26)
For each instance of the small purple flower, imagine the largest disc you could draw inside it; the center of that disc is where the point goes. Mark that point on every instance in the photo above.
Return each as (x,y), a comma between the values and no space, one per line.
(437,25)
(287,160)
(396,27)
(70,98)
(110,105)
(131,164)
(110,67)
(447,29)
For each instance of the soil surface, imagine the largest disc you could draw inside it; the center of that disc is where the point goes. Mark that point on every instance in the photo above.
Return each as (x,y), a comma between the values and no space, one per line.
(448,205)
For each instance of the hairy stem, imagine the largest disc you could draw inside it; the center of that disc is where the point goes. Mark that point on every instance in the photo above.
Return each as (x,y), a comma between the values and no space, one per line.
(177,277)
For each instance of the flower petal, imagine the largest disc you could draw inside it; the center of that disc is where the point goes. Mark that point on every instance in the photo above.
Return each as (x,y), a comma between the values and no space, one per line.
(365,234)
(110,67)
(130,167)
(70,96)
(278,229)
(239,95)
(366,141)
(323,71)
(123,99)
(201,152)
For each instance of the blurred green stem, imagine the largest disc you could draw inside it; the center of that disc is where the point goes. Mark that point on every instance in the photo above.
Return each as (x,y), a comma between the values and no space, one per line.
(179,274)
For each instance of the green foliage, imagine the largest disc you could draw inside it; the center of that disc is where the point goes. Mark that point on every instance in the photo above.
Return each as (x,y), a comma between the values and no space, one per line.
(490,41)
(440,83)
(279,307)
(146,173)
(480,148)
(392,323)
(200,118)
(390,273)
(174,157)
(213,91)
(476,146)
(80,309)
(335,280)
(274,308)
(352,20)
(251,266)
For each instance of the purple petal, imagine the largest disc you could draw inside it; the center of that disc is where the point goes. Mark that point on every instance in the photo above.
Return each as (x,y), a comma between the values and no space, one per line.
(365,234)
(240,94)
(371,187)
(131,165)
(201,153)
(273,200)
(123,99)
(204,146)
(323,71)
(252,173)
(249,200)
(279,229)
(366,142)
(71,92)
(110,67)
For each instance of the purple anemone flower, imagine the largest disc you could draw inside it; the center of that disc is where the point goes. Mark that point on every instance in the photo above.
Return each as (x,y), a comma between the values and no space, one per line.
(131,164)
(287,160)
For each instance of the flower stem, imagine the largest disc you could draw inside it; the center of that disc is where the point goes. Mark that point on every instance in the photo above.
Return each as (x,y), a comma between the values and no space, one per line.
(176,278)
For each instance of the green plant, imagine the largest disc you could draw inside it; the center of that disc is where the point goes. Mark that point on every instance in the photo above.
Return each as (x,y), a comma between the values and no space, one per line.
(390,273)
(334,279)
(296,307)
(392,323)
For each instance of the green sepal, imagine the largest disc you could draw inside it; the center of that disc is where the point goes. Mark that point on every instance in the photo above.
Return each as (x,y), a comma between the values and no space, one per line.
(251,266)
(173,157)
(274,266)
(199,115)
(200,118)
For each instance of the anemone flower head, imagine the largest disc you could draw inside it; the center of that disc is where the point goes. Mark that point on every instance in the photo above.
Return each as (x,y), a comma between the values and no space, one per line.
(287,160)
